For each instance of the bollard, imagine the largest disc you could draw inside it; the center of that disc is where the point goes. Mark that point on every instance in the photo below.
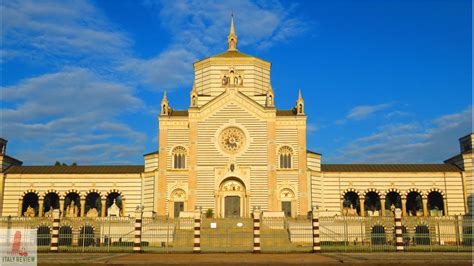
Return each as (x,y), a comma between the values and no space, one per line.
(197,232)
(55,235)
(398,230)
(137,241)
(316,240)
(256,232)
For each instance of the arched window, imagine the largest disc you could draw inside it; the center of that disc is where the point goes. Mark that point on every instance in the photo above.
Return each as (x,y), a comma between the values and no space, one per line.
(285,153)
(179,157)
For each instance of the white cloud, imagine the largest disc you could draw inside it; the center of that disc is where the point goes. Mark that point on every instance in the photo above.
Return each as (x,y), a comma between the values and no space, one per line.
(170,69)
(363,111)
(60,31)
(428,142)
(59,113)
(200,28)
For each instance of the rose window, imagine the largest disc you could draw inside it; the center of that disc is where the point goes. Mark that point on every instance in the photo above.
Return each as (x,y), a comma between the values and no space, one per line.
(232,140)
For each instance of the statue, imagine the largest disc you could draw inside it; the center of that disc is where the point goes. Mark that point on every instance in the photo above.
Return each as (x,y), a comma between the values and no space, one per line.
(30,212)
(49,213)
(92,212)
(113,210)
(71,210)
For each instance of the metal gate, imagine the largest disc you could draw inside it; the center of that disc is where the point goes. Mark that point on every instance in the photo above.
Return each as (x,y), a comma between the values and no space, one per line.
(227,235)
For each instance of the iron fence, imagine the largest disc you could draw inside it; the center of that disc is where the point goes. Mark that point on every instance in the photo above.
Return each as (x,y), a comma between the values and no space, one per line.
(227,235)
(277,234)
(167,235)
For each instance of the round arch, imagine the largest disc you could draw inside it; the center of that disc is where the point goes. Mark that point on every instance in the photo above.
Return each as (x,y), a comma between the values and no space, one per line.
(177,202)
(287,199)
(29,203)
(232,198)
(350,202)
(436,203)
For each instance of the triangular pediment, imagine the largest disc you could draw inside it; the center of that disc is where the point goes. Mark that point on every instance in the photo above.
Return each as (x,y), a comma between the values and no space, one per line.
(233,96)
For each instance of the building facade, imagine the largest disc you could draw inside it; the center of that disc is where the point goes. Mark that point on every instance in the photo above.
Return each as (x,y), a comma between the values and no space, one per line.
(232,151)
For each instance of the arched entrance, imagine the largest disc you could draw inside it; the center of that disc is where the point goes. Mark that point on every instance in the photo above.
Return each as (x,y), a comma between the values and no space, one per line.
(232,198)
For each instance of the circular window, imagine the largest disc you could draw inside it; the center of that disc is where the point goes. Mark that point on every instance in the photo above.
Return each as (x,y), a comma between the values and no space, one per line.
(232,140)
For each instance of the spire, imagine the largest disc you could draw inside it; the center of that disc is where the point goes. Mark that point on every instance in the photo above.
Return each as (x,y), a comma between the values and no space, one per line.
(165,110)
(300,104)
(232,31)
(232,38)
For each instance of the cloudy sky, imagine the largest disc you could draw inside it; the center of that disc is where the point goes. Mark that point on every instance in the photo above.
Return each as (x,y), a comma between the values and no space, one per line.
(383,81)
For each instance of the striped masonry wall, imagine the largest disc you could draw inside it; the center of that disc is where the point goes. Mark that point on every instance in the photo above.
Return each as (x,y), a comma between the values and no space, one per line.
(55,234)
(398,229)
(197,232)
(256,232)
(137,241)
(316,240)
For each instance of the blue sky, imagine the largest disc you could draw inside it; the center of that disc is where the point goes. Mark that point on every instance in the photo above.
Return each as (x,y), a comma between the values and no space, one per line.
(383,81)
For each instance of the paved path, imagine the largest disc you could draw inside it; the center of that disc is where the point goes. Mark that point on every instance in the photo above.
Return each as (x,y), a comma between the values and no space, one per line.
(404,259)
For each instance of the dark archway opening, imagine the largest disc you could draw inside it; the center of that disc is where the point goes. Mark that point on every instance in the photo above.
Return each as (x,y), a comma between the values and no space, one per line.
(414,204)
(378,236)
(350,203)
(93,202)
(422,235)
(65,236)
(435,204)
(30,200)
(86,236)
(43,236)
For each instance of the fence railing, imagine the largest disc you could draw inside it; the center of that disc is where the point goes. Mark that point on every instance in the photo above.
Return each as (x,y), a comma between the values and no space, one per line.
(277,234)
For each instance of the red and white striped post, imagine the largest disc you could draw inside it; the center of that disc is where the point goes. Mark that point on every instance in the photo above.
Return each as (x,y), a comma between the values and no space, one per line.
(54,247)
(315,223)
(197,232)
(256,231)
(137,241)
(398,230)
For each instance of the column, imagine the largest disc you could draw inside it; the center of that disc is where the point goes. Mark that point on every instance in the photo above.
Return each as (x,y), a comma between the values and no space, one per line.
(122,211)
(398,230)
(40,207)
(83,206)
(61,206)
(315,224)
(362,206)
(137,241)
(197,232)
(382,205)
(302,174)
(20,207)
(104,207)
(272,167)
(75,236)
(445,205)
(404,206)
(192,166)
(342,207)
(425,205)
(55,235)
(162,183)
(256,231)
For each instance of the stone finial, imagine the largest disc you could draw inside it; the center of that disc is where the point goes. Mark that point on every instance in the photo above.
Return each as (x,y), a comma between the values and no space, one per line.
(232,38)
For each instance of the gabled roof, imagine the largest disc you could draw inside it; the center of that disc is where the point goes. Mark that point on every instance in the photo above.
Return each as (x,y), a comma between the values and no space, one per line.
(389,168)
(80,169)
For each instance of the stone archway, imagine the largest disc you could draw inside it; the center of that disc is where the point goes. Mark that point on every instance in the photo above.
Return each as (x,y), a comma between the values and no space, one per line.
(232,198)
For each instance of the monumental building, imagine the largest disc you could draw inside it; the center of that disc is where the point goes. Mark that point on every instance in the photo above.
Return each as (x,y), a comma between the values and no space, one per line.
(230,152)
